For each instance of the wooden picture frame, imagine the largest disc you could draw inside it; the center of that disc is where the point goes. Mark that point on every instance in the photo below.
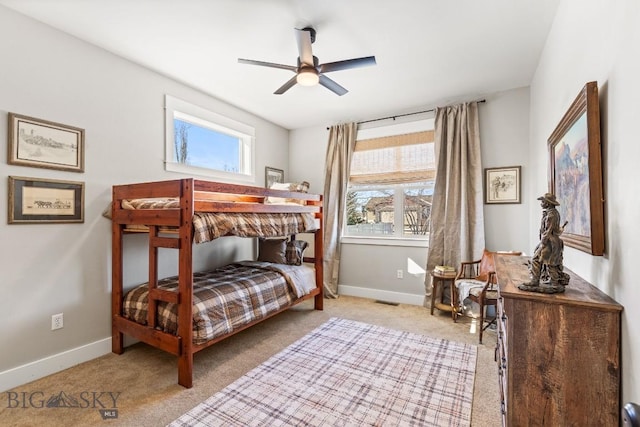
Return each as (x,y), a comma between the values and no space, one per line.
(36,200)
(575,172)
(502,185)
(272,175)
(44,144)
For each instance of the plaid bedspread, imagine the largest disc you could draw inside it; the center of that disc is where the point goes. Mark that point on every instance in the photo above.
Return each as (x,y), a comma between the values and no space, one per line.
(209,226)
(223,299)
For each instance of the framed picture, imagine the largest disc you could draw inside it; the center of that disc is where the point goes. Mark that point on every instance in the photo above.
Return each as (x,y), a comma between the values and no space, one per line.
(43,144)
(575,172)
(35,200)
(502,185)
(272,175)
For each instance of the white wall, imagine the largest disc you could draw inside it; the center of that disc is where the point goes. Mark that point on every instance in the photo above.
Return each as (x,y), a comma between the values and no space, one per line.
(504,137)
(370,270)
(594,40)
(54,268)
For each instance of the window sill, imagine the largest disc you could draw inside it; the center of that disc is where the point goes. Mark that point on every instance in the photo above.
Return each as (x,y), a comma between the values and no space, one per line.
(385,241)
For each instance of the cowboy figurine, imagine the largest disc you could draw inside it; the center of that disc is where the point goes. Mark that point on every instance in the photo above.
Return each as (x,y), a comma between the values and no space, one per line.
(546,264)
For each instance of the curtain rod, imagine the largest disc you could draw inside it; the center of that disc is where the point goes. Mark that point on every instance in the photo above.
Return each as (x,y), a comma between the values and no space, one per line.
(406,114)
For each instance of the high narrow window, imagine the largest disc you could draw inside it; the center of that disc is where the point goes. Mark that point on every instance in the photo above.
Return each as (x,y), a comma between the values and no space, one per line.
(202,142)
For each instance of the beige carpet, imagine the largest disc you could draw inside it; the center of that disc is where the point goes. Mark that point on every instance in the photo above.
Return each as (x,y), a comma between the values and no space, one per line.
(144,380)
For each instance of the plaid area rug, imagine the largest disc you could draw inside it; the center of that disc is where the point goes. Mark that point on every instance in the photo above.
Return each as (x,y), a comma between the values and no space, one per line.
(347,373)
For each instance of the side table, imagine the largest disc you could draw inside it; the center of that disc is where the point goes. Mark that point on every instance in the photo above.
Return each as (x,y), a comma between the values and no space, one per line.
(440,282)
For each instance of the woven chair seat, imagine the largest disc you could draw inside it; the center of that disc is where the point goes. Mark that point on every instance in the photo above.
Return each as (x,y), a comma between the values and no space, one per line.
(490,294)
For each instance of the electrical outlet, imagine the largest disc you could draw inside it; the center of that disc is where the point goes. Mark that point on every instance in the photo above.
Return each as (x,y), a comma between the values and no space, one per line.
(399,274)
(57,321)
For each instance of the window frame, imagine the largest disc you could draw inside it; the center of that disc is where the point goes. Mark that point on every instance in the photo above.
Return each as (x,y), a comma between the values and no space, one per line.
(182,110)
(398,238)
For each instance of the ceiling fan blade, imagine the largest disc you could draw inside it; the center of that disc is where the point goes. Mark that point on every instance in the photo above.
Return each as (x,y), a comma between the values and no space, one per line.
(303,38)
(332,86)
(267,64)
(285,87)
(347,64)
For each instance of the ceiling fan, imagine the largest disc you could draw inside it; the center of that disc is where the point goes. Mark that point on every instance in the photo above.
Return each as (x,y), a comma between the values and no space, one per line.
(309,72)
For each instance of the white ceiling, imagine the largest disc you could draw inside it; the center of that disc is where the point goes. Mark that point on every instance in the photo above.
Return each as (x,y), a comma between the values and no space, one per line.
(428,52)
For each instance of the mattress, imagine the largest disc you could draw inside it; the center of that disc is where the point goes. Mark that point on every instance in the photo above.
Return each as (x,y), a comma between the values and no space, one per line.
(226,298)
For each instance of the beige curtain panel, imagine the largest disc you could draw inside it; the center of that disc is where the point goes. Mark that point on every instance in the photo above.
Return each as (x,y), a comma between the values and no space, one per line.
(342,139)
(457,220)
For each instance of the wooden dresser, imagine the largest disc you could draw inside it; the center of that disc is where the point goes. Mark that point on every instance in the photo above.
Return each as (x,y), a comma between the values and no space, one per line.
(559,354)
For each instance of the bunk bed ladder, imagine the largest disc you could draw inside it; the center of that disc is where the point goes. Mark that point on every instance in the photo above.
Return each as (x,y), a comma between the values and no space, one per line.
(184,297)
(156,294)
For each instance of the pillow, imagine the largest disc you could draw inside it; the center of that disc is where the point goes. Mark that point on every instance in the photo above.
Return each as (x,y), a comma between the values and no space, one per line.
(301,187)
(107,211)
(272,250)
(295,251)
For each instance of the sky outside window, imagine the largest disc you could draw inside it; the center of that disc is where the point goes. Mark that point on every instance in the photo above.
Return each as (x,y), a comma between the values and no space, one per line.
(208,148)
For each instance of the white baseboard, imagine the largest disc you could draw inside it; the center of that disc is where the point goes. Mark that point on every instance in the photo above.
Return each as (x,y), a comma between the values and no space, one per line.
(377,294)
(32,371)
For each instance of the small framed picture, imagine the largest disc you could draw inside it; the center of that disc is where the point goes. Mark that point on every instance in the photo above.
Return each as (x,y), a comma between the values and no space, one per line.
(272,175)
(502,185)
(35,200)
(44,144)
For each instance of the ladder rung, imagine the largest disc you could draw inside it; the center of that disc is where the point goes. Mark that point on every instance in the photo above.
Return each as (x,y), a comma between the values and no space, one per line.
(165,242)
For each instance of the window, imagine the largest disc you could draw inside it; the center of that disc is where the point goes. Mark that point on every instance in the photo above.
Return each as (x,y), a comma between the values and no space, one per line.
(391,182)
(201,142)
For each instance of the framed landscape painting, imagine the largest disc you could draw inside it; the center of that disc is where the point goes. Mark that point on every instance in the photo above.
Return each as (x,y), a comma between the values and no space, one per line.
(44,144)
(575,174)
(36,200)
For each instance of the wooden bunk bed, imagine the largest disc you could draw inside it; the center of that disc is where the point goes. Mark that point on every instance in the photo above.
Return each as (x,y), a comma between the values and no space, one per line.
(167,211)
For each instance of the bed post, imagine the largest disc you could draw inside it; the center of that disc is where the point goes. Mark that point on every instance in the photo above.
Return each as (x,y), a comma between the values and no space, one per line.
(185,285)
(318,253)
(117,337)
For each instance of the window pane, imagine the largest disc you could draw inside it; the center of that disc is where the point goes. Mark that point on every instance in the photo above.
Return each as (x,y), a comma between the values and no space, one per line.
(417,210)
(201,142)
(200,146)
(370,212)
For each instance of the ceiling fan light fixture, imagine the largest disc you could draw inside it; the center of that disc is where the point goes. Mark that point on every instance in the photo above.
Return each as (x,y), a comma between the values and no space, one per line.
(307,77)
(309,71)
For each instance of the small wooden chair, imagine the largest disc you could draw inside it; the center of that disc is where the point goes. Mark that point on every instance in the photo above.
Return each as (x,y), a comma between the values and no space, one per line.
(476,280)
